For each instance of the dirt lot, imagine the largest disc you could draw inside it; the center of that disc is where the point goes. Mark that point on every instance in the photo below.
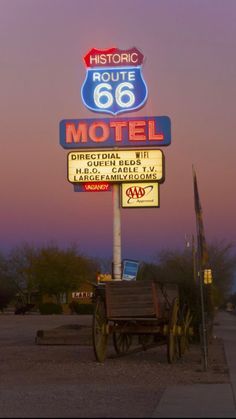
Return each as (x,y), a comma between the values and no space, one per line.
(66,381)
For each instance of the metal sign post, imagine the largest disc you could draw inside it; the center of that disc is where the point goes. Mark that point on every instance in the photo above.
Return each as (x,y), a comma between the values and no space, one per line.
(203,333)
(116,233)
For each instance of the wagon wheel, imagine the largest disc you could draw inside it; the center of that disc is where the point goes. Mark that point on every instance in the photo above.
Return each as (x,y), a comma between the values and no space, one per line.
(122,342)
(100,335)
(172,339)
(185,330)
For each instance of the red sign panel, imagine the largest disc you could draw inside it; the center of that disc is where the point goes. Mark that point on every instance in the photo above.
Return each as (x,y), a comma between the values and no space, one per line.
(93,187)
(113,57)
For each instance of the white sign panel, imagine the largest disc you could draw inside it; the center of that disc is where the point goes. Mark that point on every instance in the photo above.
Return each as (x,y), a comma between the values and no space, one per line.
(116,166)
(140,195)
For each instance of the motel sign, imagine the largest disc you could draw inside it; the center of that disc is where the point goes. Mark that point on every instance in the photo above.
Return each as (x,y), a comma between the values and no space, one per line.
(116,153)
(113,84)
(115,132)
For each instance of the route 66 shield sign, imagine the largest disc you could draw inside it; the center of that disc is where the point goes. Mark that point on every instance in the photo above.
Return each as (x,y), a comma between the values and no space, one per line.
(114,82)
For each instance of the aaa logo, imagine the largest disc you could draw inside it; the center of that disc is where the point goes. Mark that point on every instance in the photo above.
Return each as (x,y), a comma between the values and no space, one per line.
(137,192)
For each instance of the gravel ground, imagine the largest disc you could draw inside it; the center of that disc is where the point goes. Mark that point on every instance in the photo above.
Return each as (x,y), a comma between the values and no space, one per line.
(65,380)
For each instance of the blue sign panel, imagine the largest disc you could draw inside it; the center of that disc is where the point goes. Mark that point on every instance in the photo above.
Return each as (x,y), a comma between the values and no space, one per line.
(130,269)
(114,90)
(151,131)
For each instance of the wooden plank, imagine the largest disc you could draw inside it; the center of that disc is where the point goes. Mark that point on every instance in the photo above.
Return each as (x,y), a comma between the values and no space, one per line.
(141,319)
(155,300)
(140,328)
(139,298)
(130,299)
(126,305)
(131,311)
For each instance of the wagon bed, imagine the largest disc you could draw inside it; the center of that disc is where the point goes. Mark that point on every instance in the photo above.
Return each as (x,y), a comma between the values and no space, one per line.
(147,309)
(134,299)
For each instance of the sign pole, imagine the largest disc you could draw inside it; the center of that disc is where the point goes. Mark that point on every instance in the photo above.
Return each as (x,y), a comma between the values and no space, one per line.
(116,232)
(203,325)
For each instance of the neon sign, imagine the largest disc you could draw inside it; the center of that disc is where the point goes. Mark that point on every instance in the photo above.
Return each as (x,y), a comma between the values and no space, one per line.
(112,57)
(114,81)
(92,187)
(117,132)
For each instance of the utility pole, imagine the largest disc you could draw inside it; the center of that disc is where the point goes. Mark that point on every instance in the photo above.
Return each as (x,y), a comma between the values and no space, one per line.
(194,260)
(193,249)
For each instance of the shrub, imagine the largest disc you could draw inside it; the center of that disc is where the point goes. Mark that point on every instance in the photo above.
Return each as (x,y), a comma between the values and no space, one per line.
(85,309)
(50,308)
(74,307)
(80,308)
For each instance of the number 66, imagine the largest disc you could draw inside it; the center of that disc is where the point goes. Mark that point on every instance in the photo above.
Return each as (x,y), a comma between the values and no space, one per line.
(119,95)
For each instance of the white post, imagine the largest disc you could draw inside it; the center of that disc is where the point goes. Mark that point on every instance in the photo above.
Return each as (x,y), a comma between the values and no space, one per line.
(116,232)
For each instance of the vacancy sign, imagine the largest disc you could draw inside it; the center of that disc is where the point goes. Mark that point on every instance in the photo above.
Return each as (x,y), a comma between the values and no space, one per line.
(116,166)
(140,195)
(93,187)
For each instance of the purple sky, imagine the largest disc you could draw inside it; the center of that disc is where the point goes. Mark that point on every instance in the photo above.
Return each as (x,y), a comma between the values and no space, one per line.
(190,71)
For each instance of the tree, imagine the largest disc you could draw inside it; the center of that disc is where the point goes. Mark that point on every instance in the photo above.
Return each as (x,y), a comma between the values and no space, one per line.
(20,263)
(175,266)
(7,286)
(222,258)
(58,271)
(178,266)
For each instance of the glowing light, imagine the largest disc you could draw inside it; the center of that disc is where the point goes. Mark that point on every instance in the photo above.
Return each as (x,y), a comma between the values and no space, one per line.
(115,166)
(127,132)
(113,56)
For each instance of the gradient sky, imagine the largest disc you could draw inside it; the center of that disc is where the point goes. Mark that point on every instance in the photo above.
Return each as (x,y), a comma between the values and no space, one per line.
(190,70)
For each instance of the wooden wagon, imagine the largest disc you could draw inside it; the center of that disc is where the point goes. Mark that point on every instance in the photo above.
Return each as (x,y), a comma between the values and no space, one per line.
(147,312)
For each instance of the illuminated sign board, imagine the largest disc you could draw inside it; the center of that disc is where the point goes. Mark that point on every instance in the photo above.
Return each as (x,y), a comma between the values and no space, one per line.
(114,81)
(116,166)
(140,195)
(104,277)
(151,131)
(93,187)
(82,294)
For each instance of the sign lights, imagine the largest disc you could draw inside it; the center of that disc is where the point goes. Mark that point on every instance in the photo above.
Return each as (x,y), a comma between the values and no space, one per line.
(114,81)
(116,166)
(113,57)
(93,187)
(112,132)
(116,149)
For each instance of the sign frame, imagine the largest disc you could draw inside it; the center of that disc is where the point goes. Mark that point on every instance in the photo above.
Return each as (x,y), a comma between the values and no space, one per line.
(93,175)
(92,133)
(154,185)
(126,265)
(114,83)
